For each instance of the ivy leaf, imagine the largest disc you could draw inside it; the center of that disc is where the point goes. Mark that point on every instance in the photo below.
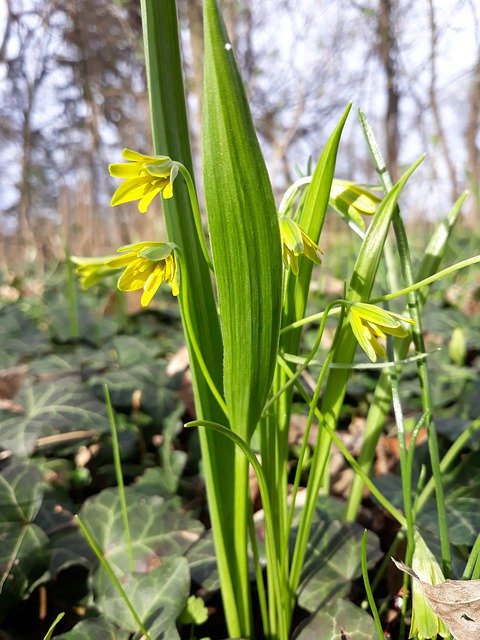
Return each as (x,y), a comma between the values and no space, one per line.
(67,405)
(339,620)
(23,545)
(333,560)
(158,531)
(158,597)
(94,628)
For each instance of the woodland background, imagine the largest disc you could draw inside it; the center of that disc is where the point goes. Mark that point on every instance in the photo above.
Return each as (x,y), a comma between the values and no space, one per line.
(72,95)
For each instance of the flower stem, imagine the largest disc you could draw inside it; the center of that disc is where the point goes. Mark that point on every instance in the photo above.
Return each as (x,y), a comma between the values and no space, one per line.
(196,212)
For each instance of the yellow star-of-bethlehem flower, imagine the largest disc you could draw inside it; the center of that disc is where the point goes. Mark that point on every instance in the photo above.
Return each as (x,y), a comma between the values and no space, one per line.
(92,270)
(295,242)
(369,323)
(144,177)
(147,265)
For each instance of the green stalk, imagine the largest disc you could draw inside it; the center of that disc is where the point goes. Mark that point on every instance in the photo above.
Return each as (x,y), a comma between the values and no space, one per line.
(472,568)
(52,626)
(423,374)
(368,588)
(111,574)
(119,475)
(310,216)
(386,504)
(271,534)
(170,137)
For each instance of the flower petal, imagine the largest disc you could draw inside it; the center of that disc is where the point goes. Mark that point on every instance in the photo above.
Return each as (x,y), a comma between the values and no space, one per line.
(152,285)
(146,200)
(131,190)
(361,333)
(125,170)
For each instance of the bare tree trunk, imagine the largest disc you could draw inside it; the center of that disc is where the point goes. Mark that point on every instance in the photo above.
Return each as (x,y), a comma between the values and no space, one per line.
(452,172)
(389,58)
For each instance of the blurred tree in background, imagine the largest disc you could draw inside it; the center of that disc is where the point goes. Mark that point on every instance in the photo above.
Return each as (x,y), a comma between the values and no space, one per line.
(72,94)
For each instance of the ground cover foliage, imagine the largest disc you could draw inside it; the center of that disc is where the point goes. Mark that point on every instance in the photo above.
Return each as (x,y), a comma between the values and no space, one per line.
(57,461)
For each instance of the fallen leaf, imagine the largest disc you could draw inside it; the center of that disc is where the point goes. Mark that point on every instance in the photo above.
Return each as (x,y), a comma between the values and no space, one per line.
(456,602)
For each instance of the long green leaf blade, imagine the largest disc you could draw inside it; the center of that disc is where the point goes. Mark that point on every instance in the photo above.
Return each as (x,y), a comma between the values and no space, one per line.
(244,232)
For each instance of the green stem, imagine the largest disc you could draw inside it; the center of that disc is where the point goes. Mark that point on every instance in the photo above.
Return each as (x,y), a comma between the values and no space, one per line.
(262,600)
(368,588)
(119,475)
(196,213)
(422,283)
(386,504)
(472,568)
(309,357)
(271,533)
(423,374)
(192,336)
(111,574)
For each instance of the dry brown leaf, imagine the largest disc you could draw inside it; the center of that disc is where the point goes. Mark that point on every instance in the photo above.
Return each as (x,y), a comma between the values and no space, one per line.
(456,602)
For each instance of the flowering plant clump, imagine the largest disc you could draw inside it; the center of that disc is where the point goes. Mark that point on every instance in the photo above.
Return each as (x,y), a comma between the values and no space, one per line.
(144,177)
(295,242)
(369,323)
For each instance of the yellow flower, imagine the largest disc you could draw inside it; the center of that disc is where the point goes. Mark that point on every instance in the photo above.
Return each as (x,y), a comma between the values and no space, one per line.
(352,200)
(92,270)
(147,265)
(295,242)
(145,177)
(369,323)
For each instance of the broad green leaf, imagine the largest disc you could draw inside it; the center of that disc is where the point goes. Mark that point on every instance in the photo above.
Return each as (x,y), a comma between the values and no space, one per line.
(158,531)
(337,621)
(94,628)
(333,561)
(158,597)
(157,395)
(24,546)
(203,564)
(19,337)
(67,405)
(463,517)
(68,547)
(244,232)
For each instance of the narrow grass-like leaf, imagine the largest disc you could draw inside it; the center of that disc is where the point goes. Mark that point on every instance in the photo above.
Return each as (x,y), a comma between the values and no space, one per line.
(246,250)
(52,626)
(244,232)
(119,475)
(381,402)
(359,289)
(368,588)
(115,581)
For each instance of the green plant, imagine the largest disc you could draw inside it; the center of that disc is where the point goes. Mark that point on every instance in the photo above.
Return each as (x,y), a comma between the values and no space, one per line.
(245,345)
